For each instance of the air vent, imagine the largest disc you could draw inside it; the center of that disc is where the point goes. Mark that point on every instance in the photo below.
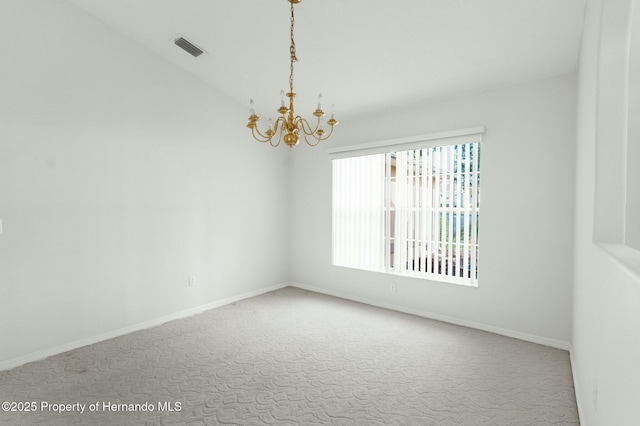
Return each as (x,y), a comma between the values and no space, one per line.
(188,47)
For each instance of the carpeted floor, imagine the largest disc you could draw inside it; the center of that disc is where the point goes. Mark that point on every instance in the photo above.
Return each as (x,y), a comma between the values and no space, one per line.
(293,357)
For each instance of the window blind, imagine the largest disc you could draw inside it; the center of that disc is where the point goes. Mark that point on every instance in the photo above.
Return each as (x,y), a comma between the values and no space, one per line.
(437,210)
(413,211)
(358,212)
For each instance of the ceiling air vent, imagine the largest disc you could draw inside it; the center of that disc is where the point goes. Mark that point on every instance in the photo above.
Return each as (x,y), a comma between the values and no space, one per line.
(188,47)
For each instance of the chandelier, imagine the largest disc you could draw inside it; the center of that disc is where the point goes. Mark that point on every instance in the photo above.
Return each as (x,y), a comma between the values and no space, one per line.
(288,127)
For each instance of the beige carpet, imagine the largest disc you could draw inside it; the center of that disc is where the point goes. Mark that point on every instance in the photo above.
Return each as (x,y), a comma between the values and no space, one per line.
(293,357)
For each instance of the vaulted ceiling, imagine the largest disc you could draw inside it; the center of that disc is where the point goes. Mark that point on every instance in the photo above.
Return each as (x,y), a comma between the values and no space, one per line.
(366,56)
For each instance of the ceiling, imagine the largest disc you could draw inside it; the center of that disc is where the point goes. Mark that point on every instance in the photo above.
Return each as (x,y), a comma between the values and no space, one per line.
(366,56)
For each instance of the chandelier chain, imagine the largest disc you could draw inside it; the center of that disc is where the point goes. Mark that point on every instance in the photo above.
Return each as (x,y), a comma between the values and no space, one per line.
(292,51)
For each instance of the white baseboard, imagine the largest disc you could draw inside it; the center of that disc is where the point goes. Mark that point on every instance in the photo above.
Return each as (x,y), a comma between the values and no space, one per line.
(36,356)
(558,344)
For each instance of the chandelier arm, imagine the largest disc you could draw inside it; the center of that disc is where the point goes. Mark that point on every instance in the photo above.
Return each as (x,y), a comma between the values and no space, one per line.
(274,144)
(326,135)
(279,124)
(318,138)
(306,127)
(261,137)
(306,139)
(257,135)
(280,128)
(308,133)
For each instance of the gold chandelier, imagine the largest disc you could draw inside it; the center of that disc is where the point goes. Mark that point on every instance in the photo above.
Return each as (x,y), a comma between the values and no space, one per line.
(289,127)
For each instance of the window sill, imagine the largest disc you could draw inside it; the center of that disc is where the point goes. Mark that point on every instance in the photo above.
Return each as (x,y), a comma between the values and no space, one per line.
(436,278)
(628,258)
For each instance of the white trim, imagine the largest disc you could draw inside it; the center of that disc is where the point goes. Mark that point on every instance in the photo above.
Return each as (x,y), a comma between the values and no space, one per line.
(625,256)
(409,140)
(576,387)
(36,356)
(558,344)
(45,353)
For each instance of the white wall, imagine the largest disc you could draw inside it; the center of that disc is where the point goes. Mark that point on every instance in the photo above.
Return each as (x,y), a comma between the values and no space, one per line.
(632,201)
(119,178)
(606,331)
(526,227)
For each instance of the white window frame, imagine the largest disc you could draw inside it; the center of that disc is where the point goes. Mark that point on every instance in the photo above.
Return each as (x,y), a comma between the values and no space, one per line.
(367,245)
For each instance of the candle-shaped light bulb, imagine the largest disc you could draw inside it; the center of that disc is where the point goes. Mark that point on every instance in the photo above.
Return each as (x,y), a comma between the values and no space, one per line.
(333,110)
(320,127)
(270,123)
(282,98)
(252,110)
(320,101)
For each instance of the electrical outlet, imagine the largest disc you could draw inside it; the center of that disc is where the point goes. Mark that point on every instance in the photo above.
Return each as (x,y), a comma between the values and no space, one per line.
(393,288)
(192,280)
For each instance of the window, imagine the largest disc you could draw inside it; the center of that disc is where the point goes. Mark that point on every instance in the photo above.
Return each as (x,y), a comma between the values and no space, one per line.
(412,212)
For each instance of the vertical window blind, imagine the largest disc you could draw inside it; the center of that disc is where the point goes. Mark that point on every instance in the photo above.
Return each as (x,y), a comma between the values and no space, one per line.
(412,212)
(358,212)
